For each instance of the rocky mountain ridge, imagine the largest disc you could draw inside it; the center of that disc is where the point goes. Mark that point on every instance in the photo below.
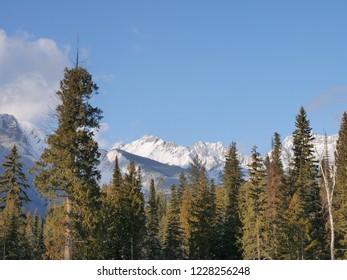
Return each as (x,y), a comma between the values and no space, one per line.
(157,158)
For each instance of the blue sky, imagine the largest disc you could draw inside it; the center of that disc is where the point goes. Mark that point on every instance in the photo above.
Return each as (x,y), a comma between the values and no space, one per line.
(182,70)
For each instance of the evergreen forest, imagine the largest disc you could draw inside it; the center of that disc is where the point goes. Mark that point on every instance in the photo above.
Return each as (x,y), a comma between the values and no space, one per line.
(266,213)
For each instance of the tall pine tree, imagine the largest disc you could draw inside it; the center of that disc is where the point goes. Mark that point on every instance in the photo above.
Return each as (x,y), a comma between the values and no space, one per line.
(34,235)
(202,216)
(132,217)
(110,214)
(13,187)
(185,215)
(173,245)
(232,179)
(154,250)
(278,201)
(253,202)
(305,210)
(54,232)
(68,166)
(340,195)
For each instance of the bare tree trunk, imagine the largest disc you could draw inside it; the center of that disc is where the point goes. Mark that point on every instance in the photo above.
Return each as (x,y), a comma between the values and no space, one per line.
(329,195)
(332,236)
(68,231)
(258,238)
(329,186)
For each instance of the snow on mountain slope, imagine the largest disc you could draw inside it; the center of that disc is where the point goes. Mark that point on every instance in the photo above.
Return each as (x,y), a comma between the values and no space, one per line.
(12,132)
(212,155)
(150,169)
(36,138)
(157,158)
(318,142)
(155,148)
(29,139)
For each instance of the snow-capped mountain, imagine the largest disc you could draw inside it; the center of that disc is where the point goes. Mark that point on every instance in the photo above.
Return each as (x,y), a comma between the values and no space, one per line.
(28,140)
(212,155)
(150,169)
(36,138)
(318,142)
(157,158)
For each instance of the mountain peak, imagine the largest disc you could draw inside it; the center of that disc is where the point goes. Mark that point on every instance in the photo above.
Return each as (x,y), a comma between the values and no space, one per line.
(11,132)
(150,139)
(8,122)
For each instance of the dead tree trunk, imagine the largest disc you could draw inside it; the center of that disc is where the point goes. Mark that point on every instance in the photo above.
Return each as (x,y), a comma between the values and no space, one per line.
(68,231)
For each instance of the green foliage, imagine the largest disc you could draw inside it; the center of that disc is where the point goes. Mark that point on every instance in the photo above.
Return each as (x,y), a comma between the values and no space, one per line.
(13,186)
(110,215)
(173,244)
(54,232)
(253,202)
(306,203)
(277,202)
(340,202)
(68,167)
(34,236)
(13,183)
(230,224)
(132,218)
(202,215)
(13,243)
(183,183)
(271,215)
(185,217)
(154,248)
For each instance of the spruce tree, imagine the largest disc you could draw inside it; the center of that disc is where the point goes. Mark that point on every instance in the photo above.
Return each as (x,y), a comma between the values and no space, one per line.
(132,217)
(10,233)
(183,182)
(154,250)
(162,203)
(202,218)
(110,213)
(13,182)
(306,204)
(54,232)
(194,172)
(34,236)
(340,202)
(173,249)
(230,227)
(278,202)
(13,187)
(185,218)
(68,166)
(253,202)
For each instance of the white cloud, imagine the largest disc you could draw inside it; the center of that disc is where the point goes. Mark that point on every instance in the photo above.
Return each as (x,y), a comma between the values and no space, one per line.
(335,95)
(137,48)
(30,71)
(140,37)
(103,143)
(134,30)
(108,78)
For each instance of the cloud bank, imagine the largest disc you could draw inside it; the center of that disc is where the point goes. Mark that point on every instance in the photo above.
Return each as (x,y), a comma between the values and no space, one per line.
(335,95)
(30,71)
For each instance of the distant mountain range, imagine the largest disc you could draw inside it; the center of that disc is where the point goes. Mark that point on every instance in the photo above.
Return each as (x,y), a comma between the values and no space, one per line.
(158,159)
